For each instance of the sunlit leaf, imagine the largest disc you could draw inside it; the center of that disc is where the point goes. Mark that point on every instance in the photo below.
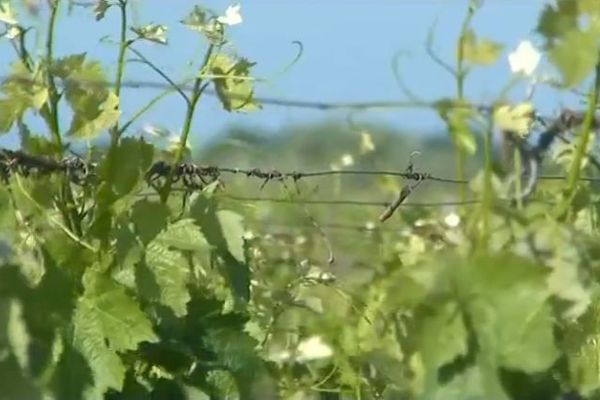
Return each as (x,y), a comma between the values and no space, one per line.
(480,51)
(7,15)
(576,55)
(170,267)
(235,90)
(204,21)
(515,119)
(152,32)
(106,321)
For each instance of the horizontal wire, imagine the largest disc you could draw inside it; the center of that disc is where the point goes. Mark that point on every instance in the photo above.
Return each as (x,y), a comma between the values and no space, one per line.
(272,101)
(365,203)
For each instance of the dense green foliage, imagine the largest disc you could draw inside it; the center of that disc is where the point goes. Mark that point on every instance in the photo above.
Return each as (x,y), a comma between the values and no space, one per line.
(111,288)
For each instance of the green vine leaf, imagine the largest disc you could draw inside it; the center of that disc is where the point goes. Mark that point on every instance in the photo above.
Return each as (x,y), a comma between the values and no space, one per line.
(7,15)
(95,108)
(576,55)
(106,321)
(235,90)
(22,90)
(457,118)
(101,8)
(556,22)
(170,267)
(480,51)
(152,32)
(204,21)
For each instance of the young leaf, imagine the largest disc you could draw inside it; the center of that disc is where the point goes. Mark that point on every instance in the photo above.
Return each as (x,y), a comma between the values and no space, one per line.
(151,32)
(101,8)
(480,51)
(95,108)
(517,119)
(7,15)
(205,22)
(21,90)
(235,91)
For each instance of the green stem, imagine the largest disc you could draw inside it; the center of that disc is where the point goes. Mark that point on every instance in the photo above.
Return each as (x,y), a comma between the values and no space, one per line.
(461,74)
(66,204)
(123,45)
(143,110)
(487,182)
(582,145)
(187,125)
(52,91)
(518,171)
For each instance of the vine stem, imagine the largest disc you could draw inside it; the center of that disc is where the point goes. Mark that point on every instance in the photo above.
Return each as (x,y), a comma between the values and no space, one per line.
(487,181)
(53,93)
(123,45)
(67,208)
(582,145)
(460,74)
(187,125)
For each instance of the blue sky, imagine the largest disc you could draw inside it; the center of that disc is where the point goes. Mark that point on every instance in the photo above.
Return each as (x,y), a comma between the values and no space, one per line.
(348,50)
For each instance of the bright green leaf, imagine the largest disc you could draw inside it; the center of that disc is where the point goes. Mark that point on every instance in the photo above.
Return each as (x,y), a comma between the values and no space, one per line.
(510,310)
(7,15)
(152,32)
(169,266)
(515,119)
(233,232)
(235,90)
(480,51)
(204,21)
(107,321)
(575,55)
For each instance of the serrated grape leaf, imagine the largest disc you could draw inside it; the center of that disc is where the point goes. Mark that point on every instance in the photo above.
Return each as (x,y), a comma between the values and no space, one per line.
(149,218)
(480,51)
(106,321)
(152,32)
(170,268)
(441,336)
(21,90)
(236,350)
(93,114)
(125,165)
(510,311)
(223,230)
(555,22)
(202,20)
(95,108)
(575,55)
(235,91)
